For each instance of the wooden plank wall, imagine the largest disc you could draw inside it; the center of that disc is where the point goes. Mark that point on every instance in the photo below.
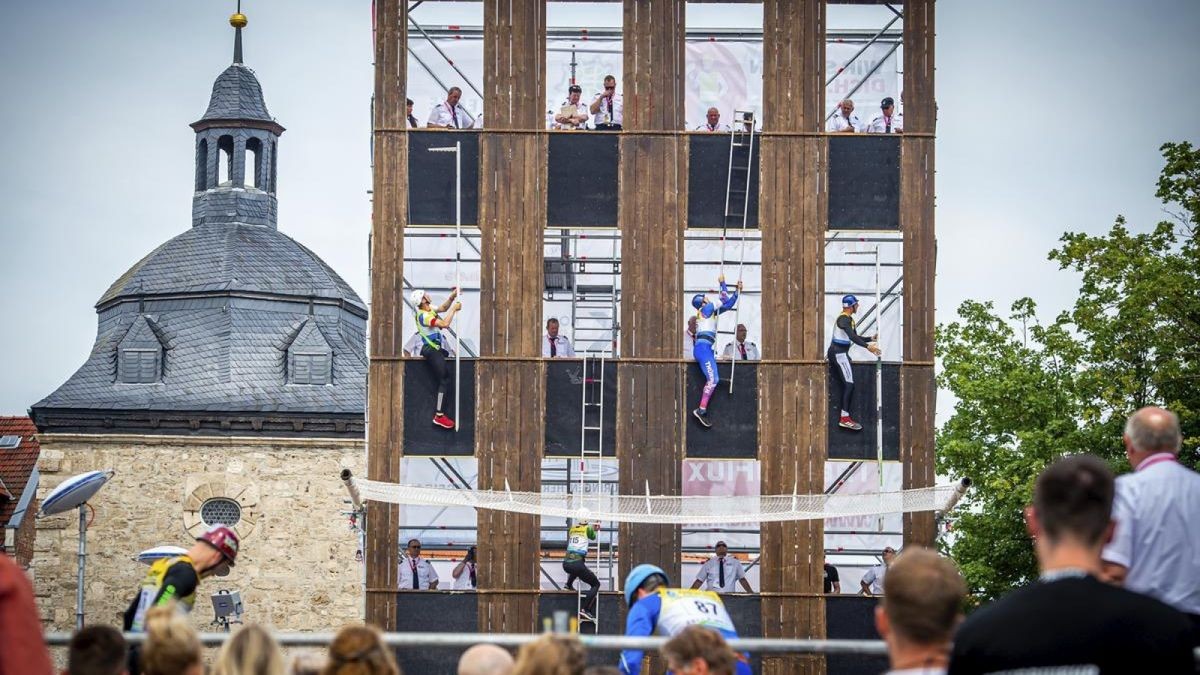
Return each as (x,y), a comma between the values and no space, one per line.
(653,209)
(510,436)
(792,395)
(917,388)
(385,375)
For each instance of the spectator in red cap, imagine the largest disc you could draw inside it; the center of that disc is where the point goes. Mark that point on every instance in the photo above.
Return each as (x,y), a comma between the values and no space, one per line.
(176,579)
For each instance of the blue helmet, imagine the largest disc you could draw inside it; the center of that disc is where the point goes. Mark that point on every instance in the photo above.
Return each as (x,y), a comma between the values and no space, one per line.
(849,301)
(698,300)
(638,576)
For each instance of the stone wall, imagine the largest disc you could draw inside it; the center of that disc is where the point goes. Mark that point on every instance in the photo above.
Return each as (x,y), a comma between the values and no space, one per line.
(296,569)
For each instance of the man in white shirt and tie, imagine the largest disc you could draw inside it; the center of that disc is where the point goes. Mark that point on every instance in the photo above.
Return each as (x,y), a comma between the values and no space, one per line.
(887,121)
(555,346)
(416,573)
(608,107)
(740,349)
(449,114)
(573,113)
(845,120)
(712,122)
(464,575)
(722,572)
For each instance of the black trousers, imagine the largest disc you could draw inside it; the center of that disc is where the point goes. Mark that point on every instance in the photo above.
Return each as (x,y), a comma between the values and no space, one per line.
(578,569)
(436,358)
(839,369)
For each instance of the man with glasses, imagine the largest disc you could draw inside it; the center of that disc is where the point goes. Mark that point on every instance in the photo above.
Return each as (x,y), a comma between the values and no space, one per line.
(608,109)
(872,581)
(416,573)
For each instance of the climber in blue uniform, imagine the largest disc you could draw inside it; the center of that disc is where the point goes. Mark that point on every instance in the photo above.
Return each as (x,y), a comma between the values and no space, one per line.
(706,335)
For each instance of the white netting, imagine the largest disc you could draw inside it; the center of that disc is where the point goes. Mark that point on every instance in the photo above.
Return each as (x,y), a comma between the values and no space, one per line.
(669,510)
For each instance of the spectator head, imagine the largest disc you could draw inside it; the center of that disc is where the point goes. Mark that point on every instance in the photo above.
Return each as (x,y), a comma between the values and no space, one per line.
(692,324)
(359,650)
(887,105)
(414,548)
(610,85)
(97,650)
(1150,431)
(452,96)
(485,660)
(251,651)
(922,603)
(552,328)
(1072,504)
(699,651)
(721,549)
(573,93)
(172,646)
(713,116)
(551,655)
(307,663)
(408,104)
(741,332)
(846,106)
(889,554)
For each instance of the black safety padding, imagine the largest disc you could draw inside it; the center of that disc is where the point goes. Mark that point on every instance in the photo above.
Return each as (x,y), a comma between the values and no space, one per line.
(610,607)
(421,437)
(564,407)
(431,178)
(434,612)
(734,417)
(846,444)
(582,179)
(851,617)
(746,612)
(708,182)
(864,182)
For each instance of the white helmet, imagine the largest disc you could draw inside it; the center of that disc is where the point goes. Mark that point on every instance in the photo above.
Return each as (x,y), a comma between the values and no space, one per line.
(416,297)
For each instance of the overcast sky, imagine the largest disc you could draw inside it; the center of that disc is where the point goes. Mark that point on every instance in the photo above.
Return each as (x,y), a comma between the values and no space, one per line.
(1051,115)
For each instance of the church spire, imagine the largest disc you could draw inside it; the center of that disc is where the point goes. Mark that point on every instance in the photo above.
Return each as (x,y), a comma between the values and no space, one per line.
(238,21)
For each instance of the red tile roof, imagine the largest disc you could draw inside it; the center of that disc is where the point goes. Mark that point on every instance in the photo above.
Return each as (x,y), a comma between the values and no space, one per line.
(17,464)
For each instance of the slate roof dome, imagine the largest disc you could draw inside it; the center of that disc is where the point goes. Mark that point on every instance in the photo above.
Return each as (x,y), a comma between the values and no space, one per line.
(232,327)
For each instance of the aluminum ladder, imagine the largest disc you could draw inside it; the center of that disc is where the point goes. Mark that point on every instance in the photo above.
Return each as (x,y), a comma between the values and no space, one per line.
(591,448)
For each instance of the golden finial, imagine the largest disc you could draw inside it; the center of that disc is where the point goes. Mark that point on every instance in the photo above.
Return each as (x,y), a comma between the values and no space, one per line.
(238,20)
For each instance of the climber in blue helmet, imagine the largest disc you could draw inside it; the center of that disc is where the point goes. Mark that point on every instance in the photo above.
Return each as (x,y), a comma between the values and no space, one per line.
(706,335)
(654,608)
(845,335)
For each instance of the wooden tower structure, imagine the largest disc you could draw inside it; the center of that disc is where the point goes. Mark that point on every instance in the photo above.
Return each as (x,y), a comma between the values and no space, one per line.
(653,171)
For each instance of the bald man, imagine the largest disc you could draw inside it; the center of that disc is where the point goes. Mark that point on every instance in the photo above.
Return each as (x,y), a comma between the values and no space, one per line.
(712,122)
(485,659)
(1155,549)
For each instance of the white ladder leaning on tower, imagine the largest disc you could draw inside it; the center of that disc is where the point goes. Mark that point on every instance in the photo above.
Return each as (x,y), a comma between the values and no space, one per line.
(591,448)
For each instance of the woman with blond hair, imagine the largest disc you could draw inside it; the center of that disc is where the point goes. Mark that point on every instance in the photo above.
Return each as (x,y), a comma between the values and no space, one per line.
(251,651)
(172,646)
(551,655)
(359,650)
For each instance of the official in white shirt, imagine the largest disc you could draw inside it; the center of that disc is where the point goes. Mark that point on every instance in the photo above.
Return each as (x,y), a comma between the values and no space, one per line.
(689,340)
(572,113)
(416,573)
(465,578)
(888,121)
(845,120)
(722,572)
(412,120)
(712,122)
(1155,549)
(449,114)
(555,346)
(872,581)
(608,108)
(740,349)
(413,346)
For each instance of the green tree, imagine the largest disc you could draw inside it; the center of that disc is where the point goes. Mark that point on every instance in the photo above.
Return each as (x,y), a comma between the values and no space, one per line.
(1029,393)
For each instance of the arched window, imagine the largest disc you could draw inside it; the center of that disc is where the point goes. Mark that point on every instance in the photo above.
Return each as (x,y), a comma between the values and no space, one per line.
(225,165)
(254,163)
(202,165)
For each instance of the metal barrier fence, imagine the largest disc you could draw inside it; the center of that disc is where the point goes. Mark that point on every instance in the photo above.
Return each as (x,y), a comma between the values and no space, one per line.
(597,642)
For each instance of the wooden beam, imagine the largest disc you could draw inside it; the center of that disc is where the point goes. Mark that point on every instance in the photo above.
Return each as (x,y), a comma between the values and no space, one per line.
(510,427)
(385,378)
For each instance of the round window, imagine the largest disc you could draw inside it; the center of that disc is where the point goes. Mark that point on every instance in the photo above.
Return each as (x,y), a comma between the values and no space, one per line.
(220,511)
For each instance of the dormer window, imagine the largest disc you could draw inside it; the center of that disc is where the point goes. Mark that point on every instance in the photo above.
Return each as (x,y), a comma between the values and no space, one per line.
(139,366)
(309,357)
(311,368)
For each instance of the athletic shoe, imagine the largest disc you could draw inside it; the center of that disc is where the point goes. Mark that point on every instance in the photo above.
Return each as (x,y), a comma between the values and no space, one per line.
(442,421)
(847,423)
(585,617)
(702,415)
